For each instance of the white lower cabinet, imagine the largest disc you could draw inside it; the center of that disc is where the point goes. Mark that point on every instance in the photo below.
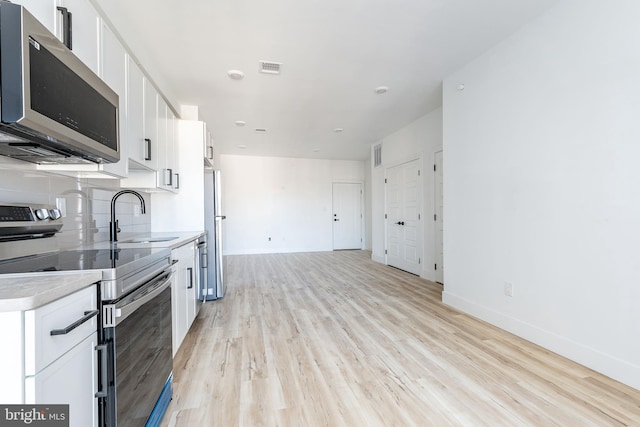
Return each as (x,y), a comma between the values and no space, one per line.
(183,293)
(69,380)
(39,367)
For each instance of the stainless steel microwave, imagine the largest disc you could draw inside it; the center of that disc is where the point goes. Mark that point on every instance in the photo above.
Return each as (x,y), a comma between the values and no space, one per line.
(53,108)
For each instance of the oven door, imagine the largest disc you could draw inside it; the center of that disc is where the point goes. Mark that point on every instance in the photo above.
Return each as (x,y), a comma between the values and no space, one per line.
(138,353)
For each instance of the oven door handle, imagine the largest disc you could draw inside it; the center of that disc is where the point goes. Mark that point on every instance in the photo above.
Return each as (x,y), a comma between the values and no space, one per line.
(156,288)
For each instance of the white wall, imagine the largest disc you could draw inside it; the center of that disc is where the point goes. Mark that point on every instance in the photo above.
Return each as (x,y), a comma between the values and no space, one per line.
(541,153)
(420,139)
(286,199)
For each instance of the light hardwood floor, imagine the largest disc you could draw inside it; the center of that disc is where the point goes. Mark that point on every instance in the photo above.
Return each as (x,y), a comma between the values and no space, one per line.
(334,339)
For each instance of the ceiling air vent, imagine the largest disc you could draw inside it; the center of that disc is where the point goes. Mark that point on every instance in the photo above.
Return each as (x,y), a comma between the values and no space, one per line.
(377,155)
(269,67)
(261,130)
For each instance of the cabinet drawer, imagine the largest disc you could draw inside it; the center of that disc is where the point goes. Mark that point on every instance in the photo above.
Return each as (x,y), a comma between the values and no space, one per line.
(42,348)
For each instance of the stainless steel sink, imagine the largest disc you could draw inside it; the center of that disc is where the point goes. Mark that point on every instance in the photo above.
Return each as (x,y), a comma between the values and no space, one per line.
(148,239)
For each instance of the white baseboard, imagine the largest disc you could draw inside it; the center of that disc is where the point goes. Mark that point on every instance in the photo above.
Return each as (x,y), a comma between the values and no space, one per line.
(611,366)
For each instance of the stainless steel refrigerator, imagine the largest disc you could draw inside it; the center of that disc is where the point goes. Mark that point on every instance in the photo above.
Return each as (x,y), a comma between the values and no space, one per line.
(214,285)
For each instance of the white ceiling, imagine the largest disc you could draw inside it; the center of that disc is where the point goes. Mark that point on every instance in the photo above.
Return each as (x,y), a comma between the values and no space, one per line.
(334,54)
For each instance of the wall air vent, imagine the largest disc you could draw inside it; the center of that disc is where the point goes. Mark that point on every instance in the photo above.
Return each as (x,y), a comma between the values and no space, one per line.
(377,155)
(269,67)
(261,130)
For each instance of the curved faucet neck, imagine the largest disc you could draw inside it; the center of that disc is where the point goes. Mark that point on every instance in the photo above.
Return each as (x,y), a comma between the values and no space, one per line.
(113,225)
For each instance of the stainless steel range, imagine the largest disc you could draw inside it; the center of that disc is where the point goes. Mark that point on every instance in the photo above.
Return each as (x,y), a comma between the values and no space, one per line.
(135,381)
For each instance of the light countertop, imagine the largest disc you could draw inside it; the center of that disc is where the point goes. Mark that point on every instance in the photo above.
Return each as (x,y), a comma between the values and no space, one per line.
(27,291)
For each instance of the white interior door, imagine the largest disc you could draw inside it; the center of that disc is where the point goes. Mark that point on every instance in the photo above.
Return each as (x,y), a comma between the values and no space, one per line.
(438,217)
(347,216)
(404,241)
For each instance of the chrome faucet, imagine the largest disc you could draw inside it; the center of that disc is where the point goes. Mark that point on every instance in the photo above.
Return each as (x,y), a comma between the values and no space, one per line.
(113,225)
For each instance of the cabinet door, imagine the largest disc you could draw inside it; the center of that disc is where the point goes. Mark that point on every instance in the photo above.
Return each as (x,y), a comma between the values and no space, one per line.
(165,173)
(85,29)
(113,64)
(69,380)
(44,10)
(173,153)
(151,122)
(183,305)
(208,146)
(191,280)
(178,303)
(139,149)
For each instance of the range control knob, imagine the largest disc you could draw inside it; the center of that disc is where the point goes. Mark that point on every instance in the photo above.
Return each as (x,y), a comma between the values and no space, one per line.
(42,213)
(55,213)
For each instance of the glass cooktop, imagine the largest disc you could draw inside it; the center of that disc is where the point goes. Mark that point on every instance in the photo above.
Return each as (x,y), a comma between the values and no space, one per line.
(94,259)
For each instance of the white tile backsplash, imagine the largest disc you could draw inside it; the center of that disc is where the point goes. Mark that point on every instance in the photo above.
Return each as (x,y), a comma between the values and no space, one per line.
(87,202)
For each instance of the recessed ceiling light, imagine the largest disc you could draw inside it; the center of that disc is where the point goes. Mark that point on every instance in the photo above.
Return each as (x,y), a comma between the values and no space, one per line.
(240,123)
(242,147)
(381,89)
(338,130)
(235,74)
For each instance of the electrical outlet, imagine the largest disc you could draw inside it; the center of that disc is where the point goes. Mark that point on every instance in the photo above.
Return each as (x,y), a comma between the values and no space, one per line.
(269,238)
(508,289)
(136,210)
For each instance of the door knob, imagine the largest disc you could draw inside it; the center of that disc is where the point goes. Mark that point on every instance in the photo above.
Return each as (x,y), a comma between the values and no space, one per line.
(336,219)
(400,223)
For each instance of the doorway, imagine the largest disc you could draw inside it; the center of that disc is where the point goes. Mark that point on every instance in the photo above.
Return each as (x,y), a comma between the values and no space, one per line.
(404,233)
(347,215)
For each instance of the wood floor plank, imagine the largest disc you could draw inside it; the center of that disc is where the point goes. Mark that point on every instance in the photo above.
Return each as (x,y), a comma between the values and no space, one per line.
(334,339)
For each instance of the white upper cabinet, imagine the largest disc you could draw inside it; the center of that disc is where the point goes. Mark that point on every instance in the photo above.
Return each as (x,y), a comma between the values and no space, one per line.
(148,152)
(84,25)
(165,176)
(85,30)
(113,65)
(173,152)
(44,10)
(139,146)
(208,147)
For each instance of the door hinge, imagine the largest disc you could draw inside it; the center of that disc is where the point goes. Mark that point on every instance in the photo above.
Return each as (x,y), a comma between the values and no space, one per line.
(385,251)
(434,217)
(419,260)
(435,266)
(385,216)
(434,168)
(418,217)
(385,180)
(418,172)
